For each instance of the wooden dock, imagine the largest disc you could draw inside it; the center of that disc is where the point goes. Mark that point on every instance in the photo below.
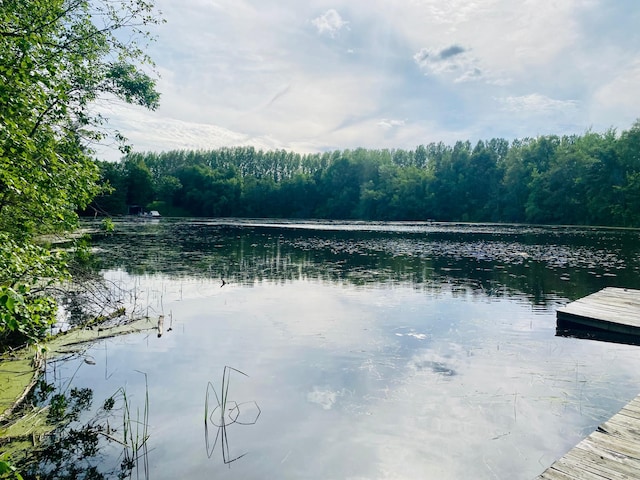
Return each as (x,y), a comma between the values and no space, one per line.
(612,452)
(611,309)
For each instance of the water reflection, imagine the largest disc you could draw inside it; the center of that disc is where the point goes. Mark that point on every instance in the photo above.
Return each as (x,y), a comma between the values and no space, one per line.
(543,263)
(573,330)
(375,350)
(84,444)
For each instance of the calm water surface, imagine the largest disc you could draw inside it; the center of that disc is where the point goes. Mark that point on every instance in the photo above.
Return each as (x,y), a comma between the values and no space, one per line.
(381,351)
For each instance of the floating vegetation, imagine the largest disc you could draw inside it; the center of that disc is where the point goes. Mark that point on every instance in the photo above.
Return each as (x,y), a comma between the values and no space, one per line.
(479,256)
(226,413)
(78,338)
(18,375)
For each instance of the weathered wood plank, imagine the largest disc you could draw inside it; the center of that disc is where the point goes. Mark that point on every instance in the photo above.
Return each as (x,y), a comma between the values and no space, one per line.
(621,453)
(613,428)
(629,423)
(580,470)
(634,404)
(553,474)
(621,427)
(627,451)
(606,468)
(631,411)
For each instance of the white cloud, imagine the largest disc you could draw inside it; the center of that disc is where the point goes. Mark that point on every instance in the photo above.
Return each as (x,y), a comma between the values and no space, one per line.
(324,397)
(148,131)
(329,23)
(617,102)
(413,72)
(453,60)
(390,123)
(535,103)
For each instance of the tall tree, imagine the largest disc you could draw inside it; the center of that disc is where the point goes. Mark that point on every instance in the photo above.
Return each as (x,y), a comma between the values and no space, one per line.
(57,57)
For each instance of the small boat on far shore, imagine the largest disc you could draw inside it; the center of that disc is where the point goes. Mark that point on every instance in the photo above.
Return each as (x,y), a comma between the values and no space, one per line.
(151,214)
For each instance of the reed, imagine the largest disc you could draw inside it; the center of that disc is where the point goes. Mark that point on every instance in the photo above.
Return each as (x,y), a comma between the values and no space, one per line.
(135,431)
(223,417)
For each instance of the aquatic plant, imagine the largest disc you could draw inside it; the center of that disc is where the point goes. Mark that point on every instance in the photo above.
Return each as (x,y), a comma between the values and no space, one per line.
(135,432)
(226,413)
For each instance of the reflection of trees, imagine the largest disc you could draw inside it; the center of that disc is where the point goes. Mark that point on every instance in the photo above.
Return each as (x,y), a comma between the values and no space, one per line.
(86,450)
(489,260)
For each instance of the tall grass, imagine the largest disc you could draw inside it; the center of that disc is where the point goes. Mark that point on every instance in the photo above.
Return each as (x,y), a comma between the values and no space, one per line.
(135,431)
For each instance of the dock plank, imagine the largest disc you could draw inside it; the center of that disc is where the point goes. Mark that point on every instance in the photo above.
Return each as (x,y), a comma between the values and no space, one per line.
(622,449)
(598,465)
(553,474)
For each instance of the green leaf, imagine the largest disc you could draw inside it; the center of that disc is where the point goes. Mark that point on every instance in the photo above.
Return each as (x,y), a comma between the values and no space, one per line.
(9,304)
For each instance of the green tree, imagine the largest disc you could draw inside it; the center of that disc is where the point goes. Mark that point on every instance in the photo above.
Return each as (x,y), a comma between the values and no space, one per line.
(57,57)
(603,176)
(627,207)
(584,179)
(166,188)
(112,200)
(340,187)
(140,188)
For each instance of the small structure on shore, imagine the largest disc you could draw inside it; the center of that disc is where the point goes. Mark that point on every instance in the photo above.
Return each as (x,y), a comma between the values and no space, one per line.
(139,211)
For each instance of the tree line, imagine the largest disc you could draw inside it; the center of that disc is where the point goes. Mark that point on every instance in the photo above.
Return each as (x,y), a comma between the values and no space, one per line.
(588,179)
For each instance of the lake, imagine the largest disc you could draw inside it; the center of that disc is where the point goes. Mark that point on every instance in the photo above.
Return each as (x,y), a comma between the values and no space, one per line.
(353,350)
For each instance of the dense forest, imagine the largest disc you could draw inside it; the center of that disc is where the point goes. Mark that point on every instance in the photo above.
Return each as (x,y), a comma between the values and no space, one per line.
(591,179)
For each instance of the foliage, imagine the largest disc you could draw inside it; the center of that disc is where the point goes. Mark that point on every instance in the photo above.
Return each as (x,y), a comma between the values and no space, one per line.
(57,58)
(580,179)
(22,316)
(108,226)
(7,470)
(25,270)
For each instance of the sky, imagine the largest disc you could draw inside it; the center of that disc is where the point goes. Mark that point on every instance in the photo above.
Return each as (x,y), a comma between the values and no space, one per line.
(313,76)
